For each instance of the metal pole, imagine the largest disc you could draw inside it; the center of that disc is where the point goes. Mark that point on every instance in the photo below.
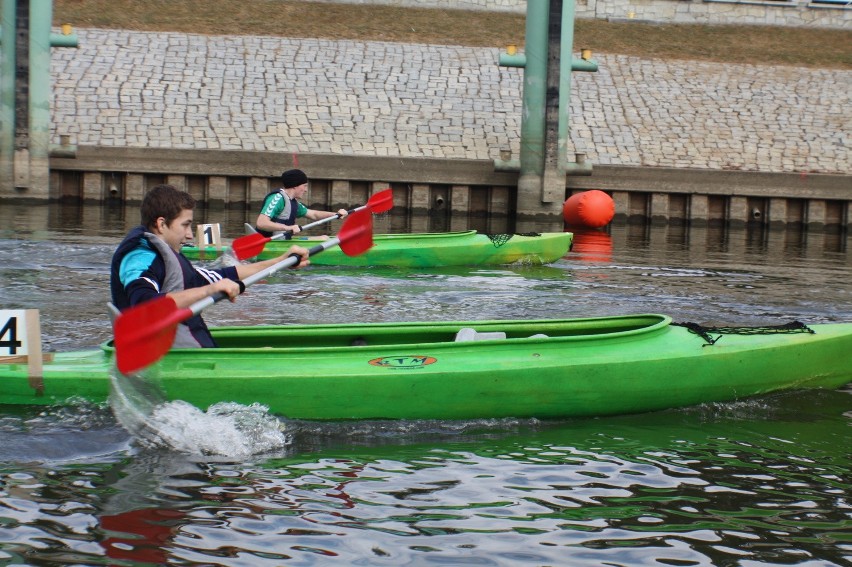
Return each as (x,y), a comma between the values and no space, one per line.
(7,98)
(569,64)
(565,63)
(41,16)
(533,113)
(553,181)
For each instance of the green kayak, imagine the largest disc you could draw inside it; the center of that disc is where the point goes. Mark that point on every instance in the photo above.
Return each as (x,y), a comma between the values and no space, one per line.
(429,250)
(467,370)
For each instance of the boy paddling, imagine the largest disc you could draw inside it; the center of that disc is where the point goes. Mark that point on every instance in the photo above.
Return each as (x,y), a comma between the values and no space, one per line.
(148,264)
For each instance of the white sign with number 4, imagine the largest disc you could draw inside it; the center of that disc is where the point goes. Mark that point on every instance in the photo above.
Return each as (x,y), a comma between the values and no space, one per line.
(19,328)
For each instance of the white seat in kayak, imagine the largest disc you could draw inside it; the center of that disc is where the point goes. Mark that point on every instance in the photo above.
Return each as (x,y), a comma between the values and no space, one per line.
(468,334)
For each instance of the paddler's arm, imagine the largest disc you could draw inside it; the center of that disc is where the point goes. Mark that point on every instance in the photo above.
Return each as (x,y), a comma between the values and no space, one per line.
(246,270)
(186,297)
(263,222)
(315,215)
(144,285)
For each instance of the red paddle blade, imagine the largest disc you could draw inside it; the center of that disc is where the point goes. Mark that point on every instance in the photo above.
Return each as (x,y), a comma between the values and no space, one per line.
(356,234)
(144,333)
(249,246)
(381,201)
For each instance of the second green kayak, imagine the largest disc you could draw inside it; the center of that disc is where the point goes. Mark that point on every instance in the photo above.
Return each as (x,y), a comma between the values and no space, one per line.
(429,250)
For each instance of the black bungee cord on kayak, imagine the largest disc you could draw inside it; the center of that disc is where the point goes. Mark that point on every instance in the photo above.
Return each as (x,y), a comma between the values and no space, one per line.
(704,332)
(500,239)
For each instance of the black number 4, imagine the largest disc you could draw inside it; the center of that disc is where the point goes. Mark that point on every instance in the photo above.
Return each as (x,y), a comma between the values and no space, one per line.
(11,328)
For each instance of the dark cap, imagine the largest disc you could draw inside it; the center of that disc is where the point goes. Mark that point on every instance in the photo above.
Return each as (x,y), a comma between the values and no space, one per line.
(293,178)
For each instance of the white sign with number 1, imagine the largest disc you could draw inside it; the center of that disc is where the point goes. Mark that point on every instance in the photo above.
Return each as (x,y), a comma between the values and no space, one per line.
(208,235)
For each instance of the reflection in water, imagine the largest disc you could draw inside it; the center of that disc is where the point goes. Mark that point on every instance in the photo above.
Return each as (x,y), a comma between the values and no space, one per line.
(591,246)
(761,482)
(142,535)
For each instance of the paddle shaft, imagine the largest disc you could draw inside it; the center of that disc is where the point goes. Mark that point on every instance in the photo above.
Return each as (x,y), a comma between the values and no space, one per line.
(291,260)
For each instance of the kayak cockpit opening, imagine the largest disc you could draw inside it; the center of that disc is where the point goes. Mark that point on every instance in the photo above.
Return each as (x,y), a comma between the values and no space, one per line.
(348,335)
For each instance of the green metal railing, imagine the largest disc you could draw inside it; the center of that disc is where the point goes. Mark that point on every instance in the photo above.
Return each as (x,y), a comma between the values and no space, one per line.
(532,166)
(26,168)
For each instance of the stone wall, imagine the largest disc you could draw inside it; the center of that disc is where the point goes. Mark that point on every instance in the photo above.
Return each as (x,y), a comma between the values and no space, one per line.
(810,13)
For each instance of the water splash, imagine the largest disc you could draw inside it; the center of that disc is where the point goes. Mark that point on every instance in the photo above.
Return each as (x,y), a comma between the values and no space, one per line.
(226,429)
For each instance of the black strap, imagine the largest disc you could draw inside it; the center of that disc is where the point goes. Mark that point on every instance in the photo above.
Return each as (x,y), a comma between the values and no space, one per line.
(704,332)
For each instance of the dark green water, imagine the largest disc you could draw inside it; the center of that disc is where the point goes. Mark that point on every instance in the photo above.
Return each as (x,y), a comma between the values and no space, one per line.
(757,482)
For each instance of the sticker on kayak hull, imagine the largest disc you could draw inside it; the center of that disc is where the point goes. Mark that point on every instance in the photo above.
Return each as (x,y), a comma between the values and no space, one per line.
(403,362)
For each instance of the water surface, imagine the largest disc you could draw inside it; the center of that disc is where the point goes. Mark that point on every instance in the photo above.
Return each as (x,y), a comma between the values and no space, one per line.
(756,482)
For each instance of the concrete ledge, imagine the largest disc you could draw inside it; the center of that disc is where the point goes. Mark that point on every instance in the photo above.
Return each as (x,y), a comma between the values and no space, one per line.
(716,182)
(164,161)
(466,186)
(269,164)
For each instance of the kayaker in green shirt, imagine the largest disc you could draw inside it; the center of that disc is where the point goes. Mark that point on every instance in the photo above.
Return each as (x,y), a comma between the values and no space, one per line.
(282,207)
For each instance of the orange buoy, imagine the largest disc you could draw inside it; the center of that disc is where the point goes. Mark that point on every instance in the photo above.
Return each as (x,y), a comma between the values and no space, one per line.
(593,209)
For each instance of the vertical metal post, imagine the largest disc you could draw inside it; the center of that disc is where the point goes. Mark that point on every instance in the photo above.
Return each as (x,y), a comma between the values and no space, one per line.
(7,96)
(565,61)
(533,112)
(569,64)
(547,62)
(553,180)
(41,16)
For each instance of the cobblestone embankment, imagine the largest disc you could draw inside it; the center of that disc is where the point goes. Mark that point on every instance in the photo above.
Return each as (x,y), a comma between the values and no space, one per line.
(173,90)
